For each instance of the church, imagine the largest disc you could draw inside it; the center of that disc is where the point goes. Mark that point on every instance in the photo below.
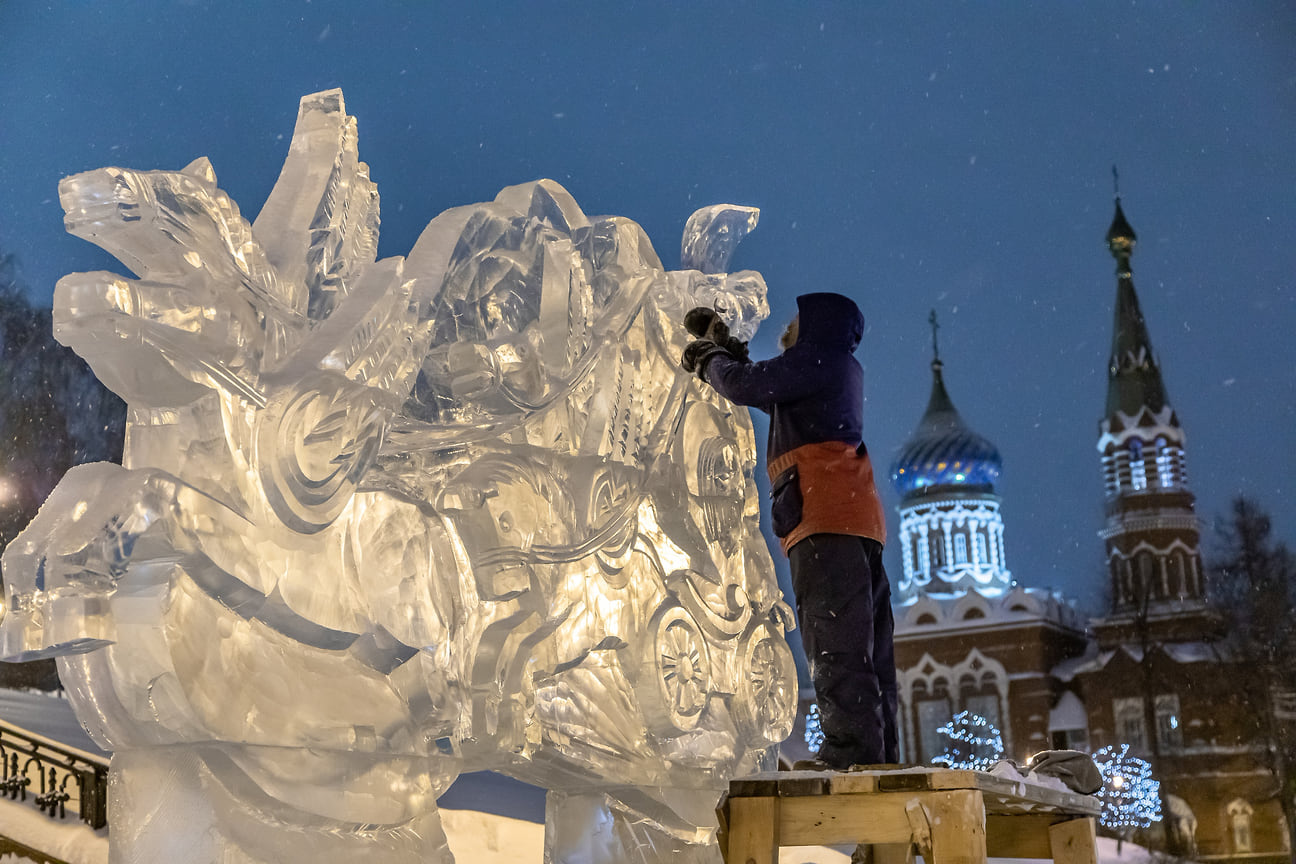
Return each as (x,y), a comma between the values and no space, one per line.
(1153,672)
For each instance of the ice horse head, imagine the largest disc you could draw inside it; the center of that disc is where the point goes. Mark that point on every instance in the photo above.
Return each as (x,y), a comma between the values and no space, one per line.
(381,521)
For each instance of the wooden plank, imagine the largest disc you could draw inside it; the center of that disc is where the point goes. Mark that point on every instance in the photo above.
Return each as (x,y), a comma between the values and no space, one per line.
(893,853)
(753,831)
(960,815)
(954,778)
(855,783)
(1073,842)
(1010,795)
(957,827)
(919,827)
(769,784)
(1007,790)
(1004,794)
(1020,836)
(904,781)
(798,786)
(831,820)
(756,786)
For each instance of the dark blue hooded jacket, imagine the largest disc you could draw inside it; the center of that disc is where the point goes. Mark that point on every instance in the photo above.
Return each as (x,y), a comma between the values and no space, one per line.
(821,477)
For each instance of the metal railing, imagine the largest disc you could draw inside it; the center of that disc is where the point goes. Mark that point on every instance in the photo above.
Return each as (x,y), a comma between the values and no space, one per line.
(55,776)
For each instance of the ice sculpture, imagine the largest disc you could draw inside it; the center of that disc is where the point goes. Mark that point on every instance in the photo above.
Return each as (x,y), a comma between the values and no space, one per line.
(383,521)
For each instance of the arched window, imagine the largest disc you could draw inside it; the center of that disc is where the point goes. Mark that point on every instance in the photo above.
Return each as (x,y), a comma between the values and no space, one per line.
(960,549)
(932,711)
(924,553)
(979,541)
(1138,470)
(937,550)
(1239,820)
(1130,728)
(926,618)
(1165,467)
(1146,575)
(973,613)
(1178,575)
(967,689)
(983,699)
(1111,474)
(1169,722)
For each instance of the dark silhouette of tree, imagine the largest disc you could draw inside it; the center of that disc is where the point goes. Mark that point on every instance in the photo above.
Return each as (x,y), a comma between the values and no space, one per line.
(1149,649)
(54,414)
(1254,581)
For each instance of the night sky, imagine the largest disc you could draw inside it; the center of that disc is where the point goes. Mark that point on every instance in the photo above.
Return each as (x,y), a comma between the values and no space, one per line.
(955,156)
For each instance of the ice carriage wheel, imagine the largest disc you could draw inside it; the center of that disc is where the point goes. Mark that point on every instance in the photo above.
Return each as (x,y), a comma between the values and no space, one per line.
(675,677)
(607,498)
(314,443)
(765,700)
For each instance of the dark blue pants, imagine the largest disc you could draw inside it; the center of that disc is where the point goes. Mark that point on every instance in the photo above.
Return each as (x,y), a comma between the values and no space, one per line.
(844,613)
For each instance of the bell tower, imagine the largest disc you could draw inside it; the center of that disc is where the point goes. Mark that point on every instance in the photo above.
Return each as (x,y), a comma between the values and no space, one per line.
(1151,530)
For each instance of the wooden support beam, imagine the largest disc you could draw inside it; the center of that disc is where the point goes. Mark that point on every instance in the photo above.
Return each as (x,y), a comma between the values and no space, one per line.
(893,853)
(951,817)
(1073,842)
(831,820)
(753,831)
(1023,835)
(958,833)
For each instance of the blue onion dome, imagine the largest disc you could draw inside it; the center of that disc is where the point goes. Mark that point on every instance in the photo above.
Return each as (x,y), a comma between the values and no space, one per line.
(943,453)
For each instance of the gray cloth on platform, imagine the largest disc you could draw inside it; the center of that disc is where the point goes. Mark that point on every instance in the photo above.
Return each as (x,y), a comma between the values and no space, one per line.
(1072,767)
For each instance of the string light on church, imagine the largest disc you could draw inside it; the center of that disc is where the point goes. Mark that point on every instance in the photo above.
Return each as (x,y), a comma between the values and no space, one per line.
(814,736)
(974,743)
(1130,797)
(951,533)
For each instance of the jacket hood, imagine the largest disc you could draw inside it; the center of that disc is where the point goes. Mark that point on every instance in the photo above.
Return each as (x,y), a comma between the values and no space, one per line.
(829,321)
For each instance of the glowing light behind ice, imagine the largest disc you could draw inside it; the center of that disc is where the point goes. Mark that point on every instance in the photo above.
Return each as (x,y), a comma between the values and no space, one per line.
(381,521)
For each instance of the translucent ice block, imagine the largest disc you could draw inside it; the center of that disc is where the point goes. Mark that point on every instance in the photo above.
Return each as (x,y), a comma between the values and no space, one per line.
(381,521)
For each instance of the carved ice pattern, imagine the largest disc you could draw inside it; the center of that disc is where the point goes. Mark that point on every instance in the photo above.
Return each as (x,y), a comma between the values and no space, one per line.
(383,521)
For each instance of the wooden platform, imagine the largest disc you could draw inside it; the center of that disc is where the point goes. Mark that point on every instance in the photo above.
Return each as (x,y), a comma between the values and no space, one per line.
(949,817)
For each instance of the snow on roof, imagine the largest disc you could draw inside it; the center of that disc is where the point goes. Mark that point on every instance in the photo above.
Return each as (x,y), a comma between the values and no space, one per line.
(950,611)
(1090,662)
(1195,652)
(1179,652)
(1069,713)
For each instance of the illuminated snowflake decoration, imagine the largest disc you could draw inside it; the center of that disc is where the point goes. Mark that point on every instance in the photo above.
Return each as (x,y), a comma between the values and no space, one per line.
(1130,797)
(814,736)
(974,743)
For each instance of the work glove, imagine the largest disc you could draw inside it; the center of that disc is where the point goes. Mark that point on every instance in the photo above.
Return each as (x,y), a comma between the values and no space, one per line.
(706,324)
(697,353)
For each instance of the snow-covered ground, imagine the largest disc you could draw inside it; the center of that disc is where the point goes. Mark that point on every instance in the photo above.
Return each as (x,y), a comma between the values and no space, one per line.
(47,715)
(69,839)
(475,837)
(489,819)
(1107,854)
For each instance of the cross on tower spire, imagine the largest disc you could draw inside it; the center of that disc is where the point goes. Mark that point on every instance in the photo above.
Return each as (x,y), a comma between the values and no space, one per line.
(931,319)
